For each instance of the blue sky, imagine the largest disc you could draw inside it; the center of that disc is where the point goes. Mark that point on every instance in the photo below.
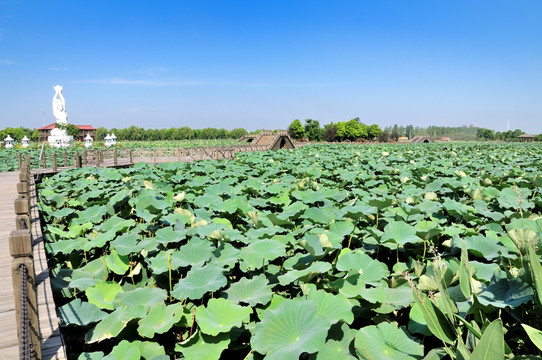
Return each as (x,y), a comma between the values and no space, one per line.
(261,64)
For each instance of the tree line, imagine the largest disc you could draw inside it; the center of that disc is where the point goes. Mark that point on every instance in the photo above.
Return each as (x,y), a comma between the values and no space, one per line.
(352,130)
(356,130)
(134,133)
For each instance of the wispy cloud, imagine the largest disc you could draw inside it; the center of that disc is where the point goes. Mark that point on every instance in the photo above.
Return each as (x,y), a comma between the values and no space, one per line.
(7,62)
(121,81)
(154,83)
(152,70)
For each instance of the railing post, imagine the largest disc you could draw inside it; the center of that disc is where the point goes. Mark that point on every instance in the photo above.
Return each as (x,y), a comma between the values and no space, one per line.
(154,155)
(54,162)
(178,153)
(24,291)
(78,160)
(115,160)
(66,158)
(44,161)
(19,160)
(131,156)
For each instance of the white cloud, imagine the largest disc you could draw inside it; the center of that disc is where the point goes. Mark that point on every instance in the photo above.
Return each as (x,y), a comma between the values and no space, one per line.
(121,81)
(152,70)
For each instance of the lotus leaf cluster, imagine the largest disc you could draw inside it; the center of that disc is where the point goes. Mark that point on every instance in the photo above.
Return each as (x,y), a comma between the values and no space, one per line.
(421,251)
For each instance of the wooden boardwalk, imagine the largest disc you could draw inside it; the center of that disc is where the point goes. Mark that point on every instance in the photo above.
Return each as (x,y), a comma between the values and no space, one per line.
(52,347)
(9,348)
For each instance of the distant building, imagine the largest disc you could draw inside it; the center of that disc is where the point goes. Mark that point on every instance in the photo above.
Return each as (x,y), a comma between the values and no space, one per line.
(45,131)
(526,138)
(469,126)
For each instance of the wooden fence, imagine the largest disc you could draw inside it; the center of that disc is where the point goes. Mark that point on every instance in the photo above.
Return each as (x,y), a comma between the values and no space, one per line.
(22,271)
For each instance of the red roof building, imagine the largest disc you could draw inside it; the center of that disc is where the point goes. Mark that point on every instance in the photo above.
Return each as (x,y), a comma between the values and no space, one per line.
(45,131)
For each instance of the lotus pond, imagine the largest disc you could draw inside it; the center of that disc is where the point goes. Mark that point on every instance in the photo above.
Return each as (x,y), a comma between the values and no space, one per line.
(326,252)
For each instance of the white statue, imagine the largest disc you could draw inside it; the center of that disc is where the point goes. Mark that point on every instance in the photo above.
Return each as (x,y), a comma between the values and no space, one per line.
(59,137)
(59,106)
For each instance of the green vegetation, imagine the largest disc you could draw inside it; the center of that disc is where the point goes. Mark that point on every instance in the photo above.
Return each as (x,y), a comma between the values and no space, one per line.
(323,252)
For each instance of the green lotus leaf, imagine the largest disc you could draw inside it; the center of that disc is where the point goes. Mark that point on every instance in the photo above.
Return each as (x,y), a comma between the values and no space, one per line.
(320,215)
(199,281)
(148,350)
(503,292)
(260,253)
(168,235)
(194,253)
(386,341)
(103,294)
(119,264)
(140,300)
(292,329)
(333,307)
(399,233)
(338,348)
(204,347)
(160,319)
(97,355)
(317,267)
(514,198)
(124,351)
(371,271)
(94,214)
(350,286)
(226,256)
(65,246)
(250,291)
(77,312)
(389,299)
(221,315)
(110,326)
(484,247)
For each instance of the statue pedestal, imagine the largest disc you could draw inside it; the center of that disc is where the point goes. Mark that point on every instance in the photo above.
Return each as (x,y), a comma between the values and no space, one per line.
(59,138)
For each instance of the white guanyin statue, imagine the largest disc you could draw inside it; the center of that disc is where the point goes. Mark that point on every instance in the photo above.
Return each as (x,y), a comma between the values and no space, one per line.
(59,137)
(59,106)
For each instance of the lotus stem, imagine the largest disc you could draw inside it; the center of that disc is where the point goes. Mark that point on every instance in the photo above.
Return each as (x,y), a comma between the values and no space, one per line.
(105,268)
(169,271)
(193,320)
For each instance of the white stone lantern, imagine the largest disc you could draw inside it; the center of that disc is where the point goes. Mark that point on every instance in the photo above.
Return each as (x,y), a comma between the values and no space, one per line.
(107,140)
(113,139)
(25,141)
(88,141)
(9,142)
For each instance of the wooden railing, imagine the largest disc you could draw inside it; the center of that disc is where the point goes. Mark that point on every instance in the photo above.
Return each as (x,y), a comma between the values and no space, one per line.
(126,157)
(22,271)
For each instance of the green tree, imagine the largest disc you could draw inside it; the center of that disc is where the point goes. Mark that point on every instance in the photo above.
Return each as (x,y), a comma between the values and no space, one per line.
(296,129)
(35,135)
(101,132)
(352,129)
(237,133)
(409,131)
(330,132)
(395,132)
(373,131)
(340,130)
(73,130)
(313,130)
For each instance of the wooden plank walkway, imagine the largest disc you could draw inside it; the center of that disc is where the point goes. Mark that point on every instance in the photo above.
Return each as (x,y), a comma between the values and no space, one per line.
(52,347)
(9,348)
